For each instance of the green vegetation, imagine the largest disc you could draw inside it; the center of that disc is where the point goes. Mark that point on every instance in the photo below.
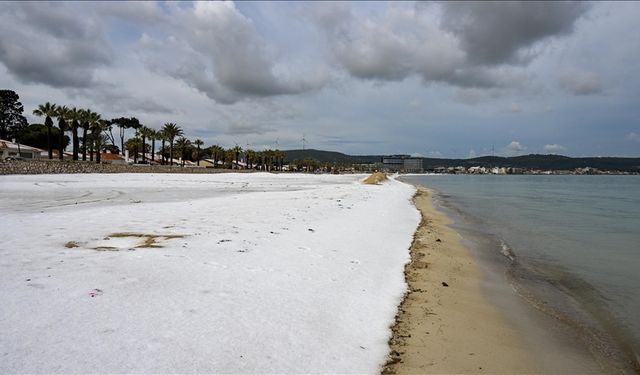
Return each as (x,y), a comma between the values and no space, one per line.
(48,110)
(11,119)
(41,136)
(98,137)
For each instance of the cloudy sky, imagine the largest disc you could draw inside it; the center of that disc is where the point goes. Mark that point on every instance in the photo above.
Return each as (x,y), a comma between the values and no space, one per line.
(435,79)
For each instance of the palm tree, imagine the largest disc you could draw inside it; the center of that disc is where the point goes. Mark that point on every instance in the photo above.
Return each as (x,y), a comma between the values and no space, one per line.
(62,113)
(133,145)
(161,136)
(92,118)
(237,150)
(260,160)
(49,110)
(279,155)
(217,153)
(268,159)
(182,144)
(84,123)
(228,158)
(250,158)
(198,143)
(153,134)
(98,140)
(145,133)
(171,131)
(75,117)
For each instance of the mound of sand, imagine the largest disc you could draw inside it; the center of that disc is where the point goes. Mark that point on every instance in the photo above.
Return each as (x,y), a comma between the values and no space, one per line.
(375,178)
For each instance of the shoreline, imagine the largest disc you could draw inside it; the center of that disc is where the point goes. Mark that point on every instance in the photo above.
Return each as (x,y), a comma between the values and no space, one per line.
(445,324)
(477,323)
(565,327)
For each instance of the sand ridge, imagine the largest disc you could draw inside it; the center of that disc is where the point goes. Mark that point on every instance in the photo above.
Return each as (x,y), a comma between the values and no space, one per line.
(375,178)
(445,323)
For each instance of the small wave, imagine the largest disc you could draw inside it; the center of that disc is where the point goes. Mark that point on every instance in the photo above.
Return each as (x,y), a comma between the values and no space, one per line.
(506,251)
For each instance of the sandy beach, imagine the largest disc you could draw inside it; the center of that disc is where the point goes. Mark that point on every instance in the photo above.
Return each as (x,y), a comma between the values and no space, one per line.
(449,321)
(445,324)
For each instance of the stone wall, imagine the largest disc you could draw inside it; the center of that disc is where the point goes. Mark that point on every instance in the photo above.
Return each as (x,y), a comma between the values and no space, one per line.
(57,167)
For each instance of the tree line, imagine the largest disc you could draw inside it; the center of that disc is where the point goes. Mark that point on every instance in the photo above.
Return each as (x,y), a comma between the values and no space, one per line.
(91,134)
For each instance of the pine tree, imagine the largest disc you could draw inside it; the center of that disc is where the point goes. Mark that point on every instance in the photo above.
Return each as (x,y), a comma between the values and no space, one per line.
(11,119)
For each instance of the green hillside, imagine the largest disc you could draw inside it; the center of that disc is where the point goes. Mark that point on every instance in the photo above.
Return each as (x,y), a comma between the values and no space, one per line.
(533,161)
(330,157)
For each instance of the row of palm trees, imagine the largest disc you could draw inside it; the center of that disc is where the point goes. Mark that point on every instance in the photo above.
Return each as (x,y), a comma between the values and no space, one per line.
(266,160)
(97,133)
(73,119)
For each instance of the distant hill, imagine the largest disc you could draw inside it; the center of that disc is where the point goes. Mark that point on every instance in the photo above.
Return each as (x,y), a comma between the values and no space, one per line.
(330,157)
(533,161)
(544,162)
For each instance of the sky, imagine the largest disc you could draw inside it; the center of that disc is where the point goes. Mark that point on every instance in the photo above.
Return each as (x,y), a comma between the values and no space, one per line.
(435,79)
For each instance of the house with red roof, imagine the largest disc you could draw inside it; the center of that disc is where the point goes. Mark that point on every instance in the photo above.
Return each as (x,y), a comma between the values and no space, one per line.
(11,149)
(107,157)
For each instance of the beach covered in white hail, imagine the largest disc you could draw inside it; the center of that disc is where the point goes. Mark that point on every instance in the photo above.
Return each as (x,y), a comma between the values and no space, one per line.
(215,273)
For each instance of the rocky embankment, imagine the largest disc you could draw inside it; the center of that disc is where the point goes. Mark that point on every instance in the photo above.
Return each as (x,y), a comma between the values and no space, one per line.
(57,167)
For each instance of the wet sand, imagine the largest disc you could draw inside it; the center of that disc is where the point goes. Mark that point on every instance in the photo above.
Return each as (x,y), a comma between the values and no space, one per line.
(447,323)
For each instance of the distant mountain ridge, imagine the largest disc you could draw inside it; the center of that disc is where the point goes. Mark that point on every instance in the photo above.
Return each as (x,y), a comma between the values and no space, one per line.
(532,161)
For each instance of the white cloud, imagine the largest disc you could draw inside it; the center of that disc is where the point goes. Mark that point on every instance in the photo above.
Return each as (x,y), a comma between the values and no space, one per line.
(554,148)
(515,147)
(217,50)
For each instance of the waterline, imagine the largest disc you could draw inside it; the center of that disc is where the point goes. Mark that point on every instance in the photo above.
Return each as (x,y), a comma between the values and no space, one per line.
(570,249)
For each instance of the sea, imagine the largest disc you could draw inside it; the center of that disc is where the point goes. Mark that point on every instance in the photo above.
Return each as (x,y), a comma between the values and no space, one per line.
(568,245)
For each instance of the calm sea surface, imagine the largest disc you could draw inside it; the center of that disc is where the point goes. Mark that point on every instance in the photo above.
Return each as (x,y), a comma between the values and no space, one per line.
(573,238)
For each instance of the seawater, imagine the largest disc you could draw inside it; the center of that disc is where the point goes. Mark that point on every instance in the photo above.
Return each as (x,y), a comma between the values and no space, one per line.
(571,244)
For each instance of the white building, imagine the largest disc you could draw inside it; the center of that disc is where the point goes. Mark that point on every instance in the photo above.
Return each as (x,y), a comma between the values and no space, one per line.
(15,150)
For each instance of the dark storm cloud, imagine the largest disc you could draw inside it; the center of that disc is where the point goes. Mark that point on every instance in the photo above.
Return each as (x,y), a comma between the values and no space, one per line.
(400,45)
(48,43)
(465,46)
(499,32)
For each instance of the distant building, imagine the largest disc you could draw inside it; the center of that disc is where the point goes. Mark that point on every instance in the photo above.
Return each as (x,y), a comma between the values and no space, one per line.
(413,165)
(393,163)
(15,150)
(401,163)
